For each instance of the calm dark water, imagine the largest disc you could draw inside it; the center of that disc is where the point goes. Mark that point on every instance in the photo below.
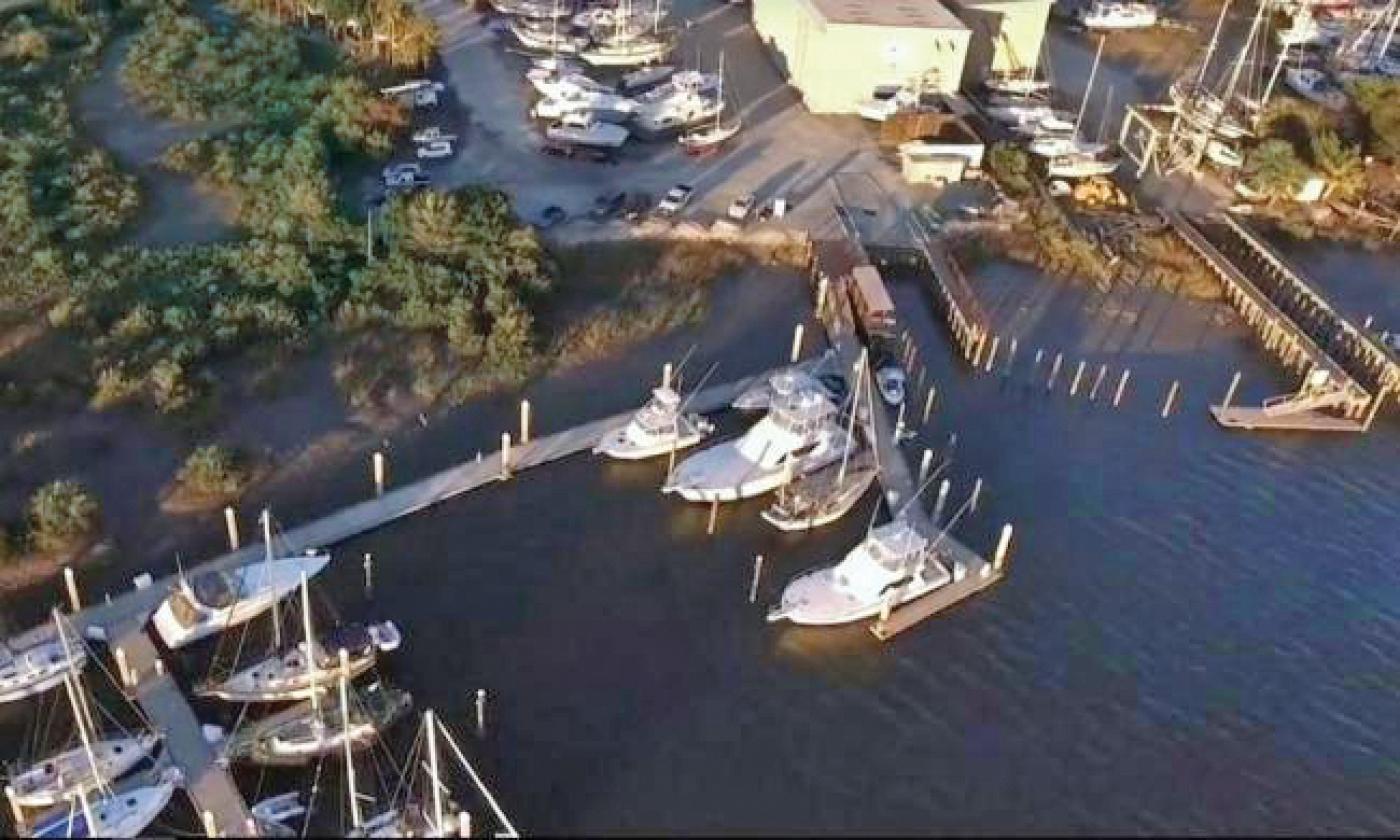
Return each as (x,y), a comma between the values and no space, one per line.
(1199,632)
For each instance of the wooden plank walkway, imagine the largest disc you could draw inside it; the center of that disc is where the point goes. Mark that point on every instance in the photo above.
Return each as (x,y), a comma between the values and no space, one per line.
(971,573)
(1282,334)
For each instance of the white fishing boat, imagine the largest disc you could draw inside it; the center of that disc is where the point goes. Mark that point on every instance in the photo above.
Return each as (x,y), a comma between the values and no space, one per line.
(799,434)
(38,667)
(648,49)
(1316,86)
(285,676)
(1074,166)
(586,129)
(1107,14)
(205,603)
(60,777)
(658,428)
(894,564)
(125,812)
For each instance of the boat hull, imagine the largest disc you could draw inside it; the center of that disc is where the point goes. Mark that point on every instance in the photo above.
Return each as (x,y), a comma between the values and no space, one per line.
(826,607)
(269,587)
(38,669)
(62,776)
(617,446)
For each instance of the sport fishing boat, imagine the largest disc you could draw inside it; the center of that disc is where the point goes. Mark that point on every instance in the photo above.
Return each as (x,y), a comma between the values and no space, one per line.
(288,675)
(799,434)
(659,427)
(895,564)
(61,777)
(583,128)
(309,730)
(1103,14)
(126,812)
(38,667)
(210,602)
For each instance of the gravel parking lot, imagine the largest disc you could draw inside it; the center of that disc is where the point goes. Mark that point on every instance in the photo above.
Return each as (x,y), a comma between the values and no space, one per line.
(782,151)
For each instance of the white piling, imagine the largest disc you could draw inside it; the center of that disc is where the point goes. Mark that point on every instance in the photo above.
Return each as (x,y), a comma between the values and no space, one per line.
(211,829)
(1098,380)
(928,401)
(976,495)
(796,343)
(369,574)
(123,669)
(1003,548)
(524,421)
(480,711)
(379,470)
(1055,371)
(666,375)
(72,583)
(505,454)
(1122,384)
(714,514)
(925,465)
(1171,398)
(464,824)
(992,356)
(822,283)
(231,525)
(1078,375)
(757,573)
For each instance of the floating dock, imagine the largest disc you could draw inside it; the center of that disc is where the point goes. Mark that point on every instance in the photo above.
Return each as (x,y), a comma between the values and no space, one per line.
(897,481)
(1339,364)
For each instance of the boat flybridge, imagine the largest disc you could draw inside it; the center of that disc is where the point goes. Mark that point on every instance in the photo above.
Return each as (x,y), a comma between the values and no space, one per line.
(659,427)
(38,667)
(799,434)
(894,564)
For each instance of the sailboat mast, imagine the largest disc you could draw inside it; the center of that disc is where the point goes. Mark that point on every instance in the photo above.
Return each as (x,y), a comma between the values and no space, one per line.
(1084,102)
(266,519)
(430,721)
(69,687)
(87,809)
(1389,33)
(851,425)
(1229,92)
(356,820)
(1210,50)
(719,112)
(310,646)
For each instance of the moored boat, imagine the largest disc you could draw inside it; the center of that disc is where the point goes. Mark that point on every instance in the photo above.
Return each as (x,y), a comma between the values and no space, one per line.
(124,812)
(658,428)
(61,777)
(287,676)
(205,603)
(823,496)
(37,667)
(309,731)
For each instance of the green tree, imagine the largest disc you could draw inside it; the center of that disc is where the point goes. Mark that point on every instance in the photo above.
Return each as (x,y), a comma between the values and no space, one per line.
(1340,164)
(1378,99)
(61,515)
(1275,171)
(213,471)
(1011,166)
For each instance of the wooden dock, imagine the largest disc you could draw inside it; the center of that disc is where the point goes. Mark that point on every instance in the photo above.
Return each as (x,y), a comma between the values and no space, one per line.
(970,572)
(1299,328)
(121,622)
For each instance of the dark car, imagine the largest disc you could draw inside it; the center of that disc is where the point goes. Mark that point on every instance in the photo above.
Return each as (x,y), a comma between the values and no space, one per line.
(551,216)
(607,205)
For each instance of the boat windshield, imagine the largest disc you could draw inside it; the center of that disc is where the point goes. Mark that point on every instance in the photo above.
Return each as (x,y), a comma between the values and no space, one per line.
(214,589)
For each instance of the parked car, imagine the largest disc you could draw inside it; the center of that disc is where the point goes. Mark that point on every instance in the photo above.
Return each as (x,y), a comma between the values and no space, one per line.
(607,205)
(397,170)
(551,216)
(675,200)
(741,207)
(433,134)
(435,150)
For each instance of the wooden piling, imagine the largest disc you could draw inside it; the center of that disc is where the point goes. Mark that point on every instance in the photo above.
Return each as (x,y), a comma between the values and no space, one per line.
(666,375)
(1078,375)
(822,284)
(1375,408)
(505,454)
(1122,384)
(231,525)
(941,501)
(975,497)
(1098,380)
(1171,398)
(925,465)
(714,514)
(524,421)
(379,469)
(928,402)
(757,573)
(797,343)
(1003,549)
(71,583)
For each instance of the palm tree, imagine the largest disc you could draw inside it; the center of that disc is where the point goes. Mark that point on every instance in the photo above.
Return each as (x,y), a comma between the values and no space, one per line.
(1340,164)
(1275,170)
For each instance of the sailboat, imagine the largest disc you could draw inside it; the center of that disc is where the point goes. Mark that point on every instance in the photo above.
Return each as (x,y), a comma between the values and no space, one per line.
(37,667)
(213,601)
(711,137)
(629,47)
(294,674)
(60,781)
(1054,143)
(825,495)
(307,731)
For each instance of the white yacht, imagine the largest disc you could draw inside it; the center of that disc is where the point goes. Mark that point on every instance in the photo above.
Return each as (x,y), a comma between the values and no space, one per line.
(61,777)
(658,428)
(894,564)
(585,129)
(556,84)
(644,50)
(38,667)
(206,603)
(1107,14)
(798,435)
(311,730)
(1315,86)
(286,676)
(121,813)
(573,101)
(1080,166)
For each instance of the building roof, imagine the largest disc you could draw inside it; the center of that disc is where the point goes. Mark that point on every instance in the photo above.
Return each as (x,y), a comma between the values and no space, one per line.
(913,14)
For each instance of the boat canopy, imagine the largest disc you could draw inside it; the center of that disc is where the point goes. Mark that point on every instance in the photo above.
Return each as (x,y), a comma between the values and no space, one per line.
(214,589)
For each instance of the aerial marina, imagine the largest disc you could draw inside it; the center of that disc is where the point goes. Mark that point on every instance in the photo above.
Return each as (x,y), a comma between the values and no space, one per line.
(678,416)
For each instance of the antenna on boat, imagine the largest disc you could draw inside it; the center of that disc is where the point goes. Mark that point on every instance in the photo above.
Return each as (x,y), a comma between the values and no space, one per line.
(1089,88)
(680,366)
(701,384)
(860,367)
(430,722)
(266,519)
(310,646)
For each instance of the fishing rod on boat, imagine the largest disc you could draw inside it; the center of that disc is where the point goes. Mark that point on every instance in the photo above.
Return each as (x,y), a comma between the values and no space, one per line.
(699,385)
(681,365)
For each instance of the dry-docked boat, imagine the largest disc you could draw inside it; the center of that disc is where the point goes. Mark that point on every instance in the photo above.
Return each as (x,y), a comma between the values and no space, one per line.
(584,128)
(895,564)
(799,434)
(658,428)
(1080,166)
